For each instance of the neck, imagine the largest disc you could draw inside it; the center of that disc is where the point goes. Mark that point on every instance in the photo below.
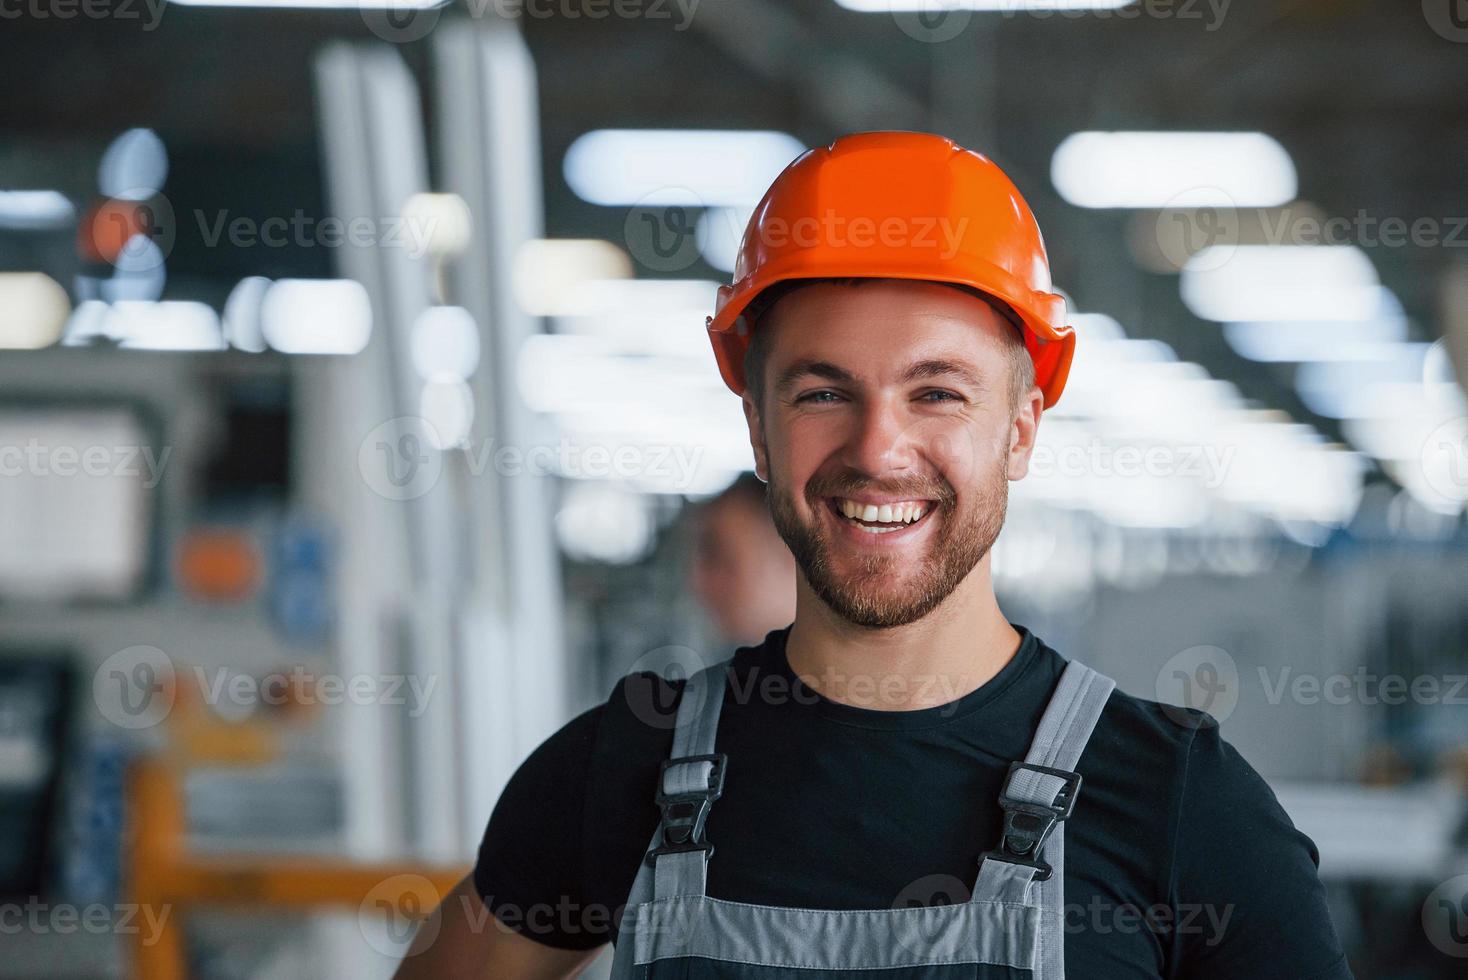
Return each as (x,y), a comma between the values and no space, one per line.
(948,653)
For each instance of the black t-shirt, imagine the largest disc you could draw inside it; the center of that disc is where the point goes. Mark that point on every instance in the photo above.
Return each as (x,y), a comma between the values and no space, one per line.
(1179,862)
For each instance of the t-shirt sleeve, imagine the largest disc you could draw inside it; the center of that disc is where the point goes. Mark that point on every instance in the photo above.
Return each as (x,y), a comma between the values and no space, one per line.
(1249,902)
(530,870)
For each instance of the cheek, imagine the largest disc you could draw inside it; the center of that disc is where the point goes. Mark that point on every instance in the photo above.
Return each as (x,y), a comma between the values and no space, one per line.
(797,452)
(963,451)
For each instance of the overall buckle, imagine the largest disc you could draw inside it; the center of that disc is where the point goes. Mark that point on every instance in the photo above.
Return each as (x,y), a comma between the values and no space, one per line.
(686,813)
(1027,825)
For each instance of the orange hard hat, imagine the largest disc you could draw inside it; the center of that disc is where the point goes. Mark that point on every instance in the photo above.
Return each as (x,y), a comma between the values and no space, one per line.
(898,205)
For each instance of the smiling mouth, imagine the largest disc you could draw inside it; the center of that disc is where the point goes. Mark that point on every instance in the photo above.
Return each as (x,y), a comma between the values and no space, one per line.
(880,518)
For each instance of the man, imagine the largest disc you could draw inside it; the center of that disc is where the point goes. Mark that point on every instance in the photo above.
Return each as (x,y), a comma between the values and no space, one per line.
(902,783)
(742,572)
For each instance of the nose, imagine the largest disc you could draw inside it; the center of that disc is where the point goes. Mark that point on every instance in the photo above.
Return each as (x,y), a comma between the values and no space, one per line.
(880,440)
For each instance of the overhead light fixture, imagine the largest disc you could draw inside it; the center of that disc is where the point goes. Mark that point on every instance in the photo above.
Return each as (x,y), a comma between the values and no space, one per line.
(35,210)
(667,167)
(720,232)
(550,275)
(1320,340)
(316,316)
(36,309)
(319,4)
(444,344)
(1365,386)
(439,224)
(1172,170)
(174,325)
(933,6)
(1281,282)
(242,314)
(134,166)
(447,405)
(644,316)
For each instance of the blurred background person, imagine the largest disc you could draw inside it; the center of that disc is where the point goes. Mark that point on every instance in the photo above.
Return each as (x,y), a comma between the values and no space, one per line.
(743,574)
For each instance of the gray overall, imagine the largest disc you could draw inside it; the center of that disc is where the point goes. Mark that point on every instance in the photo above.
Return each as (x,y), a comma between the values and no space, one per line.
(1013,925)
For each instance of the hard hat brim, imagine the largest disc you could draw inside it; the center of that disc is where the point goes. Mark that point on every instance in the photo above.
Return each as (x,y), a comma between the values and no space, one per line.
(1050,342)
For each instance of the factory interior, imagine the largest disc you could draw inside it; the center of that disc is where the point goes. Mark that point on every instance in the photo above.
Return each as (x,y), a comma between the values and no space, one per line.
(368,337)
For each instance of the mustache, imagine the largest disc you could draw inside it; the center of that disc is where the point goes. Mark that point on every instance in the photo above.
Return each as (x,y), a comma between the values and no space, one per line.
(851,484)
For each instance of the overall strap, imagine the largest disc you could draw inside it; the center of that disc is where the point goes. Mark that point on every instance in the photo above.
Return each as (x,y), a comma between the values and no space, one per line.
(689,781)
(1039,794)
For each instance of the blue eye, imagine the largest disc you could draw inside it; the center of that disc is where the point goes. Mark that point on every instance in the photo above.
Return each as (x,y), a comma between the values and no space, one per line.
(940,396)
(817,396)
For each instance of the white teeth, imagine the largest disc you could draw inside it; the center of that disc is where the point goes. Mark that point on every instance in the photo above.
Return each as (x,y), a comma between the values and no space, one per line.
(902,512)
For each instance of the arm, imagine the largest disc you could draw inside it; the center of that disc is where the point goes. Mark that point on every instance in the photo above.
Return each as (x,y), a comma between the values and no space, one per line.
(1249,900)
(517,915)
(461,940)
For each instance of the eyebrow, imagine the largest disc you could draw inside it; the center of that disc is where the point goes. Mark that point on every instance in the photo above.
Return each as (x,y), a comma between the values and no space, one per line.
(820,369)
(924,370)
(920,371)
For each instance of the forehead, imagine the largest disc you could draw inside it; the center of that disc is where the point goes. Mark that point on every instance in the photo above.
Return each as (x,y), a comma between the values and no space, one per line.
(880,328)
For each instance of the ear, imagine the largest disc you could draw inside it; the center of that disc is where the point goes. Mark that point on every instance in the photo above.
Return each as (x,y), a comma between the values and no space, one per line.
(1022,434)
(757,439)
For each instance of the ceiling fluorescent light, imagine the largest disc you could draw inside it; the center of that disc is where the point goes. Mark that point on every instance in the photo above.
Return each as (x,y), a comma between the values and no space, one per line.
(933,6)
(1172,170)
(666,167)
(316,316)
(1281,282)
(1320,340)
(319,4)
(35,210)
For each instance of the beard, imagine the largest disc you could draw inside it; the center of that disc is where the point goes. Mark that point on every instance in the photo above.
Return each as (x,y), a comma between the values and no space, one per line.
(876,594)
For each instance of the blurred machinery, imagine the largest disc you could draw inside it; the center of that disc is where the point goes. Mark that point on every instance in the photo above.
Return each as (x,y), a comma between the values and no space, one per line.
(167,876)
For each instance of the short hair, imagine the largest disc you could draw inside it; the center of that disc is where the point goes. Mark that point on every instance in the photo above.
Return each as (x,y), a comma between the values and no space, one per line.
(1021,366)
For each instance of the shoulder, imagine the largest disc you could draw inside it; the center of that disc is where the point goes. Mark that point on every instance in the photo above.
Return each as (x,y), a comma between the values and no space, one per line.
(1208,769)
(1134,731)
(570,824)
